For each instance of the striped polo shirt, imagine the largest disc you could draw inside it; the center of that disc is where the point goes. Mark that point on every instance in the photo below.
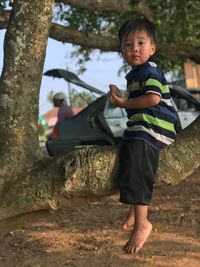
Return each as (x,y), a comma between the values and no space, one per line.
(154,125)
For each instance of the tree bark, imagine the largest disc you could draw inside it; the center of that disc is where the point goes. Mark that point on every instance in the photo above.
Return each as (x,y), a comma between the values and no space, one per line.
(94,170)
(90,40)
(182,158)
(85,39)
(90,173)
(24,52)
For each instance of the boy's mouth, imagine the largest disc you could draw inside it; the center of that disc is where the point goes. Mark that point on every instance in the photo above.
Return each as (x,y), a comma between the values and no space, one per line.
(135,57)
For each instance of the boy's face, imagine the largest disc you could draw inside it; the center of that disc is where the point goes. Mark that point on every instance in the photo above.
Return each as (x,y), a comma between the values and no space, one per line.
(137,48)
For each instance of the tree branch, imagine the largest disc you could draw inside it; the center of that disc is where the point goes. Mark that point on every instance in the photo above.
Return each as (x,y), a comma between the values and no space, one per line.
(111,6)
(182,50)
(94,5)
(108,43)
(85,39)
(100,5)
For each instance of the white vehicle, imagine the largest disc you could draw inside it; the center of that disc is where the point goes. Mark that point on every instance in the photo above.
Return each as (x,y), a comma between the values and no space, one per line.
(186,105)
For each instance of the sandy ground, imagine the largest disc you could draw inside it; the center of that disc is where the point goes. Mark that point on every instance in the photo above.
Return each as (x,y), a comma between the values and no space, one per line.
(91,235)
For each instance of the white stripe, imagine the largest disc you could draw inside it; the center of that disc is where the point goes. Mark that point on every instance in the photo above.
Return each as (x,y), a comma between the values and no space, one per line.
(153,64)
(154,92)
(160,137)
(168,102)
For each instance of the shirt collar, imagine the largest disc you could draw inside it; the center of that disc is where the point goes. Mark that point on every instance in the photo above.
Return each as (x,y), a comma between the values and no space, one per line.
(139,68)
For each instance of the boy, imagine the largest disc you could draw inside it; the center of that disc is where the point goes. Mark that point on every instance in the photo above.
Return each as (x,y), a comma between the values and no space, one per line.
(150,127)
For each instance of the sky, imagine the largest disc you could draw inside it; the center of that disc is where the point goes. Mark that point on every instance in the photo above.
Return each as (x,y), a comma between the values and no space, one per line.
(101,70)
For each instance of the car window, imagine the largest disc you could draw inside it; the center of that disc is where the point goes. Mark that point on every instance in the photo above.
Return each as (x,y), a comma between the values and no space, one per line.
(113,112)
(183,104)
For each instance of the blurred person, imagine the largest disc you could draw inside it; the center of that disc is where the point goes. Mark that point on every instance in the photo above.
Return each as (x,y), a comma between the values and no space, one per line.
(64,111)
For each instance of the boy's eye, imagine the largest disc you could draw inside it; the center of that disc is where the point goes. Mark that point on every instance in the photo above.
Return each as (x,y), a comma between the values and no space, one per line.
(141,42)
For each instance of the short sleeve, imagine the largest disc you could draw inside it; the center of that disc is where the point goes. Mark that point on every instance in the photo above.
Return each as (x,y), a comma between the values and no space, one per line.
(154,82)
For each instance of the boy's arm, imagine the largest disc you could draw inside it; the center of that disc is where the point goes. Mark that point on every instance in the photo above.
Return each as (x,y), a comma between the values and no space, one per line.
(144,101)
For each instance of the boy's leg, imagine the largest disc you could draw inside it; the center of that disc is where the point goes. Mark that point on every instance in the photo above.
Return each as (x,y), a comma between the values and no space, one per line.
(130,219)
(141,231)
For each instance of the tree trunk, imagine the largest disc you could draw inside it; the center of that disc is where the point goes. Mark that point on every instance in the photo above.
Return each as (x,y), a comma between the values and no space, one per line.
(24,51)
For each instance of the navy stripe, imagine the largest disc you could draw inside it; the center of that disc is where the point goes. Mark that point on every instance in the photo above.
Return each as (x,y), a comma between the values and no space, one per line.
(166,95)
(156,111)
(134,94)
(155,128)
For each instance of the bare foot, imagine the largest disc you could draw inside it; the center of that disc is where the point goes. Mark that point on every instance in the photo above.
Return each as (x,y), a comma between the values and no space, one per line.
(128,223)
(129,220)
(138,238)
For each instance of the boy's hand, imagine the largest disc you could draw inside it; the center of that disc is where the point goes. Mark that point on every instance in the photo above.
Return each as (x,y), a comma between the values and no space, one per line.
(113,89)
(114,97)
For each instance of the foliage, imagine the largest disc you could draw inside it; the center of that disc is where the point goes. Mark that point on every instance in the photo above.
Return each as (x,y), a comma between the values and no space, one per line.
(77,99)
(81,100)
(176,21)
(42,133)
(50,97)
(180,19)
(83,20)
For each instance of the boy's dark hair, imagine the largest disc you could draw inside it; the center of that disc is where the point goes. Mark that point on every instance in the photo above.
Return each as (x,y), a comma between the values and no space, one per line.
(133,25)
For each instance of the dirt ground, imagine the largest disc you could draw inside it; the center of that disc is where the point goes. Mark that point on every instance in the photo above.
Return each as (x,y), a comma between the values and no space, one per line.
(91,235)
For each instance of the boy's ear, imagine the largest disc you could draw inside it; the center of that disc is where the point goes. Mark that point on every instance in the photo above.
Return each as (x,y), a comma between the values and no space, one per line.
(121,50)
(153,48)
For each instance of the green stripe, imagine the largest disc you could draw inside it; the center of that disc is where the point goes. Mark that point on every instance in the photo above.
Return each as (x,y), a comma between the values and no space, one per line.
(153,82)
(133,86)
(152,120)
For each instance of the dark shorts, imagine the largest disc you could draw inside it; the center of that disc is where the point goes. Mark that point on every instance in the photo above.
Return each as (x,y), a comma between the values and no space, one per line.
(137,173)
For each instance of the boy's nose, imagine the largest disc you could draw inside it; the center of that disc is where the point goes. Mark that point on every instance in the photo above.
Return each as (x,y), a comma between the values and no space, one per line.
(134,48)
